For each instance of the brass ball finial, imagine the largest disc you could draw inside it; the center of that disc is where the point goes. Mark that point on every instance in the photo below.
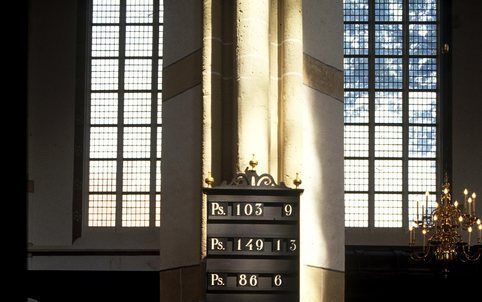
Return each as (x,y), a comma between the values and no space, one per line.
(209,180)
(297,181)
(253,162)
(445,48)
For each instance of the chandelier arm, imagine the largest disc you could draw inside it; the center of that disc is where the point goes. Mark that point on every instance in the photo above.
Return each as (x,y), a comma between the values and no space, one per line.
(469,255)
(424,256)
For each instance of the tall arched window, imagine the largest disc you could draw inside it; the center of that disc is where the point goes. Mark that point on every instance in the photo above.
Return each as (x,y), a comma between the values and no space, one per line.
(123,113)
(391,110)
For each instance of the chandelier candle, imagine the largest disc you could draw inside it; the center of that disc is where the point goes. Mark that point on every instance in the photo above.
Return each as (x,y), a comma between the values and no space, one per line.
(417,211)
(480,230)
(473,201)
(423,217)
(469,200)
(469,229)
(426,204)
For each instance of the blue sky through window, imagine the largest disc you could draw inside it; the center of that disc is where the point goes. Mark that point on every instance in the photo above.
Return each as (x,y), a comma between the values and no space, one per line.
(390,109)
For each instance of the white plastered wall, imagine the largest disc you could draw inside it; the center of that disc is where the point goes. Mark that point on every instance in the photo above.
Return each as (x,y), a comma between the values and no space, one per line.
(322,202)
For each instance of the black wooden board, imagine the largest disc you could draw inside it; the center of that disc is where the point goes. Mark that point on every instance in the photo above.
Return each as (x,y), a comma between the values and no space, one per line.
(252,243)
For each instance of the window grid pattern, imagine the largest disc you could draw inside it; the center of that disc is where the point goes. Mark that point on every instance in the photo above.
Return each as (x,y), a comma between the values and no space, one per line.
(158,176)
(356,141)
(137,142)
(138,41)
(356,102)
(103,142)
(390,109)
(355,72)
(388,141)
(388,210)
(422,10)
(102,210)
(422,141)
(356,39)
(355,10)
(137,108)
(104,74)
(105,41)
(422,107)
(356,175)
(135,210)
(388,39)
(422,39)
(388,73)
(388,10)
(103,108)
(124,108)
(102,176)
(356,210)
(106,11)
(422,73)
(158,210)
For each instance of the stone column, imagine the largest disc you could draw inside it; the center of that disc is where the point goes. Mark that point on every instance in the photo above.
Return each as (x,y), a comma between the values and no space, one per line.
(291,90)
(274,80)
(206,115)
(252,82)
(211,89)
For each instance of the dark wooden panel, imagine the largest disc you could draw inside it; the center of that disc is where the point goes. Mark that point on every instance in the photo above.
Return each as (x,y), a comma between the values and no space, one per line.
(258,195)
(252,242)
(252,191)
(251,298)
(229,265)
(245,282)
(253,246)
(82,286)
(255,210)
(258,230)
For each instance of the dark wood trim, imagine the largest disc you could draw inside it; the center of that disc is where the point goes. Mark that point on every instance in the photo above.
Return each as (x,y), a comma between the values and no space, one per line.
(93,252)
(371,114)
(405,112)
(183,267)
(80,91)
(120,112)
(17,82)
(89,285)
(386,273)
(154,110)
(445,70)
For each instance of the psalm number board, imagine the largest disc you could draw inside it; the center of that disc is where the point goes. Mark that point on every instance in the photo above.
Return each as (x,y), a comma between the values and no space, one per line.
(252,240)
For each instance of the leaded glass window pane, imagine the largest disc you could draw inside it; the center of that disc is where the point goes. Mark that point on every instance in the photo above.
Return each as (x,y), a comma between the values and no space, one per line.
(390,109)
(124,109)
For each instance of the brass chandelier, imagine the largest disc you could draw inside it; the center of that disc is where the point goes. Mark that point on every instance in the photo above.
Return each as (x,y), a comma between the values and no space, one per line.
(446,231)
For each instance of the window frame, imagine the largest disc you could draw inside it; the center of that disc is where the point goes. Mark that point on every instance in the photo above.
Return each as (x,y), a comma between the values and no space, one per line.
(80,223)
(362,235)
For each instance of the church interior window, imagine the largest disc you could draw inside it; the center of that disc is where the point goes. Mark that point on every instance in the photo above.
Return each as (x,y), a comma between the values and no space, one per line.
(124,115)
(391,111)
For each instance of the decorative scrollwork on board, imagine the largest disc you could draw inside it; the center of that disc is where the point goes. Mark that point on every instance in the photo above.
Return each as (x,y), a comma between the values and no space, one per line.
(250,178)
